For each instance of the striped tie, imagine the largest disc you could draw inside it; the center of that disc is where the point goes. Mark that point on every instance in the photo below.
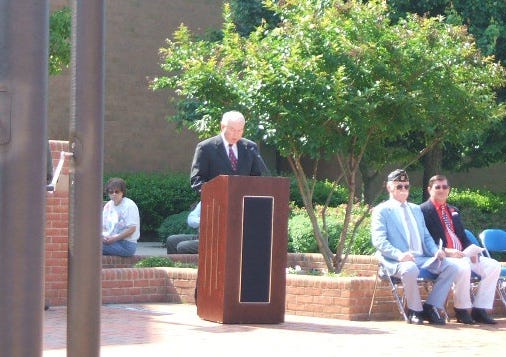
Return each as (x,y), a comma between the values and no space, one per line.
(233,159)
(451,233)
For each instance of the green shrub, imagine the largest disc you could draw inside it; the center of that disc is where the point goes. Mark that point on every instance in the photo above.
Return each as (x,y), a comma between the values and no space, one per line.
(479,209)
(157,195)
(320,194)
(157,262)
(153,262)
(175,224)
(301,238)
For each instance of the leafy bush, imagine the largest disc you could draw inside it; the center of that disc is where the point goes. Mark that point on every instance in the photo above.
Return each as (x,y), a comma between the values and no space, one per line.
(479,209)
(156,262)
(157,195)
(320,194)
(175,224)
(152,262)
(301,238)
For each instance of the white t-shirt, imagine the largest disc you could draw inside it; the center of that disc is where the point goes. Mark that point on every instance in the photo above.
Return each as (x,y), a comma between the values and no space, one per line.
(193,219)
(116,219)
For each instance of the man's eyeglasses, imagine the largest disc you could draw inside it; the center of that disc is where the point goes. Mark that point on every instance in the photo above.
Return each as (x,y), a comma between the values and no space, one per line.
(441,187)
(111,192)
(400,187)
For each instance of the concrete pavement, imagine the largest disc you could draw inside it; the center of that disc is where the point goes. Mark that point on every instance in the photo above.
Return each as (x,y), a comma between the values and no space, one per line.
(150,249)
(176,330)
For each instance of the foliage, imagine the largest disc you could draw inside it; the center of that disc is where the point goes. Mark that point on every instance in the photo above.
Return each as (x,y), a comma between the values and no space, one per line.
(60,24)
(157,196)
(486,21)
(322,190)
(155,262)
(336,80)
(479,209)
(301,236)
(175,224)
(248,14)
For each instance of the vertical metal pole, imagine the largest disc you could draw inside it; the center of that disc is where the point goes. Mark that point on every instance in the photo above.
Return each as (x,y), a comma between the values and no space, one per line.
(24,27)
(86,143)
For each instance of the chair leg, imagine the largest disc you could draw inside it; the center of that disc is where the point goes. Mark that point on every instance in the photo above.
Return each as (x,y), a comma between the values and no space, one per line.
(373,294)
(399,299)
(501,290)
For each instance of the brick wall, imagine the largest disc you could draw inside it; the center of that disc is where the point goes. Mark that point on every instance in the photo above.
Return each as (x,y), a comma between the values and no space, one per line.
(56,241)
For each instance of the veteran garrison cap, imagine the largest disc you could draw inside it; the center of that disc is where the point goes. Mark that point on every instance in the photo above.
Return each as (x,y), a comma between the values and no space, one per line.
(398,175)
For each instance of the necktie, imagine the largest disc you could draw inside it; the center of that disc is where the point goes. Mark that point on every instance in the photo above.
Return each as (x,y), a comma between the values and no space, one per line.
(233,159)
(453,236)
(413,242)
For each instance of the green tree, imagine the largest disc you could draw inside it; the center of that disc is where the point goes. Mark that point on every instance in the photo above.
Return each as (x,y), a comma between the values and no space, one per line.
(60,24)
(334,80)
(486,21)
(247,15)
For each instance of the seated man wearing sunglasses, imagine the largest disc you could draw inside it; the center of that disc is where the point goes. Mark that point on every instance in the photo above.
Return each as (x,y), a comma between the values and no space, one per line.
(399,234)
(444,223)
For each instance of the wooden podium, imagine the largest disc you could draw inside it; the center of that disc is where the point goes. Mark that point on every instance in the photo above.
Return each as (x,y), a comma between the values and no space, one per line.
(242,249)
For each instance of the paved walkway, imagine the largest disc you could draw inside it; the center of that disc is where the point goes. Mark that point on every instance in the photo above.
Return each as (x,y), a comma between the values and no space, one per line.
(150,248)
(176,330)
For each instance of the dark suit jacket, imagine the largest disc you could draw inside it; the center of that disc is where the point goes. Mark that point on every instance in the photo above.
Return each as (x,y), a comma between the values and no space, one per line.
(211,160)
(436,228)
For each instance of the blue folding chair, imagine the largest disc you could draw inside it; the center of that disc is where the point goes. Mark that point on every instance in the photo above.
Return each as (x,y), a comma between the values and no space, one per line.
(494,241)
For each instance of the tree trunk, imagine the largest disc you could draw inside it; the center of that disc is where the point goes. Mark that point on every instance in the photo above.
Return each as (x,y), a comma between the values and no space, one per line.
(432,165)
(370,183)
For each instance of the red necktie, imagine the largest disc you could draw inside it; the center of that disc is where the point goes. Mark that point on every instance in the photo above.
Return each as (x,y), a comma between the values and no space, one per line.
(233,159)
(453,236)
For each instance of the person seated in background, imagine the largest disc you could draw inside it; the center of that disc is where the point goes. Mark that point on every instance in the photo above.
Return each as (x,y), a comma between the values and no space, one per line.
(120,221)
(444,223)
(186,243)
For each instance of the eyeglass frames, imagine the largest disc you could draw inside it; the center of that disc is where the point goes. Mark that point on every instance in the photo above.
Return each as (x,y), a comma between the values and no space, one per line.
(400,187)
(441,187)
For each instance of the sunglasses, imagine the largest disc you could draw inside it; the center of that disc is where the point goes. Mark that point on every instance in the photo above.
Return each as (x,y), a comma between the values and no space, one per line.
(400,187)
(111,192)
(441,187)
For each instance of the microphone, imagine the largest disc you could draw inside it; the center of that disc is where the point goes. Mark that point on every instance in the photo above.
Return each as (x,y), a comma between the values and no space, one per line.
(263,167)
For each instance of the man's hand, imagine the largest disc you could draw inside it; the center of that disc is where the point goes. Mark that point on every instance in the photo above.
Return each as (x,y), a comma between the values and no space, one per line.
(440,254)
(454,253)
(109,239)
(407,256)
(475,259)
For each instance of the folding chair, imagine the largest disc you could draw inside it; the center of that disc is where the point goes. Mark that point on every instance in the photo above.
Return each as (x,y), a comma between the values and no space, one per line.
(425,279)
(494,241)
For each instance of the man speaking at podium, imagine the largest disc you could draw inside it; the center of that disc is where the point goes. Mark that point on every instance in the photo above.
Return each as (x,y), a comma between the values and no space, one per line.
(227,153)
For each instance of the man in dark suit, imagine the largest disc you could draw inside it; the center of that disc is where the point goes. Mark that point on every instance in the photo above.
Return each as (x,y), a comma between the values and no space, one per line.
(226,154)
(444,223)
(404,245)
